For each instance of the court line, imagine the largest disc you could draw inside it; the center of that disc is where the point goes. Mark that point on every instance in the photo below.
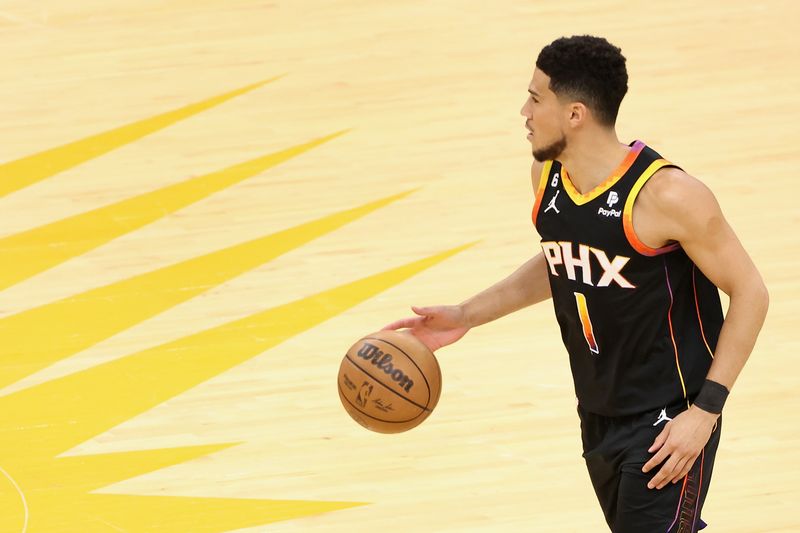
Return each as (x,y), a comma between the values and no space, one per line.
(22,497)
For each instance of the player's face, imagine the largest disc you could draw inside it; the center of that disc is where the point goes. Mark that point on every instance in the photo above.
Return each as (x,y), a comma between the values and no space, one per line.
(543,114)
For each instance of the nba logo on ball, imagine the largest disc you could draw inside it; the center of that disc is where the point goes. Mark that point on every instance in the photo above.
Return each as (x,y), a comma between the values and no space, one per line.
(399,381)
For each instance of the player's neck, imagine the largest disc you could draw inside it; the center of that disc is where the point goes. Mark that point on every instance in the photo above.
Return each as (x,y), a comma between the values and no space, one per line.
(591,160)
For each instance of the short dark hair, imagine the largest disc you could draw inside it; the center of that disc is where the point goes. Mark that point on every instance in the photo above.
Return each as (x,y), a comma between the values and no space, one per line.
(589,69)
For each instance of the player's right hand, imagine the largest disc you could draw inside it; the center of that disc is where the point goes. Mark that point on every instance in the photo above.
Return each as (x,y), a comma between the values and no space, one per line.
(435,326)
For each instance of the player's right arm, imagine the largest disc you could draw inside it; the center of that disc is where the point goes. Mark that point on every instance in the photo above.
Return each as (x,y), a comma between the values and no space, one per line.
(438,326)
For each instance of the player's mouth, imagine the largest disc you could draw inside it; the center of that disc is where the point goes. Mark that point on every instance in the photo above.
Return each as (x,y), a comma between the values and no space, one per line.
(530,135)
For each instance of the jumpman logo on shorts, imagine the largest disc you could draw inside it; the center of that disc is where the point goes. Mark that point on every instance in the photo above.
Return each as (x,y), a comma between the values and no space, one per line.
(552,204)
(662,416)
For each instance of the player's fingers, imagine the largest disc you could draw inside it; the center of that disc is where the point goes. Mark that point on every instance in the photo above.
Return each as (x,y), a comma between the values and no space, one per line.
(660,440)
(664,474)
(656,460)
(422,311)
(677,472)
(687,465)
(403,323)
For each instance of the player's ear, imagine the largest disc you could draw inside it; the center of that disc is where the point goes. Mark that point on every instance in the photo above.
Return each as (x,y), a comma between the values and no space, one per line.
(577,113)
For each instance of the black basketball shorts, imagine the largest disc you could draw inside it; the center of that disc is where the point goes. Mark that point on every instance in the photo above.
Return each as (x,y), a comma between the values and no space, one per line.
(615,450)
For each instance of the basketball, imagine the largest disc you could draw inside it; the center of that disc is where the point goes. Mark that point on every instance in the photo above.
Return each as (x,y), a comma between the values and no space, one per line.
(389,381)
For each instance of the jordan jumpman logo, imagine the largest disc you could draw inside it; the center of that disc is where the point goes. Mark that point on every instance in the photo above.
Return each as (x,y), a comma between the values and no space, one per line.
(662,417)
(552,204)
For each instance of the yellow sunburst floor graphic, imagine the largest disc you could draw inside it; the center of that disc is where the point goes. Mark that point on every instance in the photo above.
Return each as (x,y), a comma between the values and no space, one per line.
(42,490)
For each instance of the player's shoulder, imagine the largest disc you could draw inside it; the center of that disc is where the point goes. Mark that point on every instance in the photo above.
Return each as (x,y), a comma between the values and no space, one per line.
(677,203)
(674,190)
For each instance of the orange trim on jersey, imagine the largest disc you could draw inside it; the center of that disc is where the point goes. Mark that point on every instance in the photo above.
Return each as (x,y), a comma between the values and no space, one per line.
(700,320)
(615,176)
(627,213)
(540,190)
(680,501)
(672,335)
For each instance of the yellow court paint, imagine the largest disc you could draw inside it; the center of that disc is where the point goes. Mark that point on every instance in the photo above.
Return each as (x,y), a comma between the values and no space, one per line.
(111,513)
(30,252)
(52,417)
(43,421)
(80,321)
(63,486)
(25,171)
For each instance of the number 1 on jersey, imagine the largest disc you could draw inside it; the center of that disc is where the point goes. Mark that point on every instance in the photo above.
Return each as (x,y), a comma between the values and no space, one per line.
(583,313)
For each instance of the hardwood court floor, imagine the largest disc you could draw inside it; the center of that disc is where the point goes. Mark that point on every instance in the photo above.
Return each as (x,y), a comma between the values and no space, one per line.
(205,203)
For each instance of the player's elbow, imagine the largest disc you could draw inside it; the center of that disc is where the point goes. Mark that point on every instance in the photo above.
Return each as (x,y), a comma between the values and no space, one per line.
(764,297)
(751,293)
(758,297)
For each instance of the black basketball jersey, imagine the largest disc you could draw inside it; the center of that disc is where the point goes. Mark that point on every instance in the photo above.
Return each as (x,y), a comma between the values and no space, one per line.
(640,324)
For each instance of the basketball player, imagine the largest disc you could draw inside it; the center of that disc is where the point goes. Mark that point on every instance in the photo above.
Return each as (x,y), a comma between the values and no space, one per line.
(633,251)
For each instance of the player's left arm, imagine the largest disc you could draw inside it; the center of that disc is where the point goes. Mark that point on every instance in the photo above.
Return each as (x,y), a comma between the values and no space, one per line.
(683,209)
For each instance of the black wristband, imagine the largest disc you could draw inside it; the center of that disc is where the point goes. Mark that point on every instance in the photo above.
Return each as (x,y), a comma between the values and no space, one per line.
(712,397)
